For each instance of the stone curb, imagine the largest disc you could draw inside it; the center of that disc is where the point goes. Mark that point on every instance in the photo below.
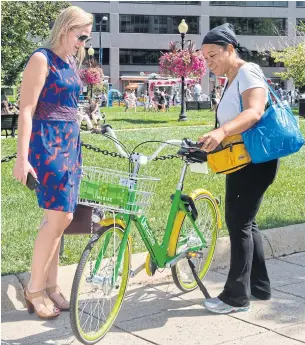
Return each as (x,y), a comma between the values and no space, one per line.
(277,242)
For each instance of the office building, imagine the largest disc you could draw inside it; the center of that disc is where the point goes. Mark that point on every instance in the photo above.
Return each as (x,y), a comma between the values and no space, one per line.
(137,31)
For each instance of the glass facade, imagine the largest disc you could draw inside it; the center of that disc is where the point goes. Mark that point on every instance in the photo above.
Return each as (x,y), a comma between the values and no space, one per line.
(301,31)
(253,26)
(139,57)
(260,59)
(130,23)
(163,2)
(98,19)
(300,4)
(251,3)
(105,60)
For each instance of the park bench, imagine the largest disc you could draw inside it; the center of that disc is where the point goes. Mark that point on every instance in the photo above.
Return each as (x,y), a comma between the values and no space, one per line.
(9,122)
(197,105)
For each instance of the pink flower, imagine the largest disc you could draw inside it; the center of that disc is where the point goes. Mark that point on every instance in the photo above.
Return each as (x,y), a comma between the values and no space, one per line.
(187,63)
(91,75)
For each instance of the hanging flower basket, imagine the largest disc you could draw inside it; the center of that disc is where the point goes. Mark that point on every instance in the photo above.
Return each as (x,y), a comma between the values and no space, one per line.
(92,75)
(188,62)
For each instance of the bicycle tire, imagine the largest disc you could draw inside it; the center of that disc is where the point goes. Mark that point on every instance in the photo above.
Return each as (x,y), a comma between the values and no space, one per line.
(208,200)
(75,311)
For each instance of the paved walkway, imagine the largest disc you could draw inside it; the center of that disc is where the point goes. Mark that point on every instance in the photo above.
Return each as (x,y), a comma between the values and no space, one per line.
(158,313)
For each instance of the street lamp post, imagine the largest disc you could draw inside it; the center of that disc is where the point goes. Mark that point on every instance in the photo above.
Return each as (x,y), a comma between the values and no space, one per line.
(91,54)
(100,57)
(183,27)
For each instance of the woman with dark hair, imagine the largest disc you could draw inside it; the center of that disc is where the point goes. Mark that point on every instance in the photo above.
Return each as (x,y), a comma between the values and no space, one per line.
(245,188)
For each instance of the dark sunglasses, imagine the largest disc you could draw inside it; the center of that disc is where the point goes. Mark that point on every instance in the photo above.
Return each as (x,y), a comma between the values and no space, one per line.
(83,38)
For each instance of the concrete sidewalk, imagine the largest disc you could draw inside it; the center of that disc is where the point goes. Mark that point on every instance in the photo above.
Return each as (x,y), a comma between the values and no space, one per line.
(156,312)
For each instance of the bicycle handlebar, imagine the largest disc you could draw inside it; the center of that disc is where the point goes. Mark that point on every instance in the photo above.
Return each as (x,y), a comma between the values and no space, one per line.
(185,143)
(108,129)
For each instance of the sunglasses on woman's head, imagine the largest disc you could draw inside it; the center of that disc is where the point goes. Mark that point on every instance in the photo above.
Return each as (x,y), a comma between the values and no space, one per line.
(83,38)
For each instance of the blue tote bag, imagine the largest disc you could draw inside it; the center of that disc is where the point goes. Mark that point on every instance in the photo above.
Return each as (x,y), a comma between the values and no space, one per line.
(275,135)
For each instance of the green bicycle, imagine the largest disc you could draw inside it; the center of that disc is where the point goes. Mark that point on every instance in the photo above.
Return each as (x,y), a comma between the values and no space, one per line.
(104,269)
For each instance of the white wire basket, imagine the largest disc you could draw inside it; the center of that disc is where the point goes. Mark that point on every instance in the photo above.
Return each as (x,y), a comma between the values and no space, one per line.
(116,190)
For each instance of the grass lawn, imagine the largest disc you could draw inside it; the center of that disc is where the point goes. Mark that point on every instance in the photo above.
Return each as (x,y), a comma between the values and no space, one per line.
(120,119)
(284,202)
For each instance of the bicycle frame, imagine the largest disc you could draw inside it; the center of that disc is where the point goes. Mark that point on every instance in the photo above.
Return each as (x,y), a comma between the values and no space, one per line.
(157,251)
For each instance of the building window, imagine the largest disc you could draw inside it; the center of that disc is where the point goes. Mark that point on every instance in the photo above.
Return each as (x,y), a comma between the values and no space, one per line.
(253,26)
(300,3)
(139,57)
(105,60)
(97,19)
(300,22)
(250,3)
(263,60)
(163,2)
(130,23)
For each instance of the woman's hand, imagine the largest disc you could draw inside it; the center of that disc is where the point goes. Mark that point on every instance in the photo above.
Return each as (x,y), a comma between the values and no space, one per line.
(212,139)
(21,170)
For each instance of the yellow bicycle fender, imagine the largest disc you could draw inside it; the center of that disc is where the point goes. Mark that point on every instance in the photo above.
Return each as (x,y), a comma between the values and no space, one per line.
(179,219)
(109,221)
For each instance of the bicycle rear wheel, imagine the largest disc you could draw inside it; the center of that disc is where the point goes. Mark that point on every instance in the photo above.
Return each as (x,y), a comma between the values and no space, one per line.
(184,236)
(96,297)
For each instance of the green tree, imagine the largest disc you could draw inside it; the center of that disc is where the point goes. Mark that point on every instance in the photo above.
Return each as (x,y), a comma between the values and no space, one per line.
(293,58)
(25,25)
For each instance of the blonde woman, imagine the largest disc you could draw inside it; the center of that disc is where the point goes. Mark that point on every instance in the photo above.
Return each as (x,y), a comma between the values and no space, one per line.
(49,149)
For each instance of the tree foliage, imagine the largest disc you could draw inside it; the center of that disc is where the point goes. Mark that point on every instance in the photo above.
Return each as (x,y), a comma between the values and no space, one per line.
(293,57)
(25,25)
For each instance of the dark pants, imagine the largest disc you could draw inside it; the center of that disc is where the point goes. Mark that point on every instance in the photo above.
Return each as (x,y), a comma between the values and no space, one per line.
(248,274)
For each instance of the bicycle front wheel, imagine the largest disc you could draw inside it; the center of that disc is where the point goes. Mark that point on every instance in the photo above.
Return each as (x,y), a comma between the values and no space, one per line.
(184,236)
(97,294)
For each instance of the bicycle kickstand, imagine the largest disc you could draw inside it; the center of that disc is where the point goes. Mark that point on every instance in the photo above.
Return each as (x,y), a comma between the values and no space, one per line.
(199,282)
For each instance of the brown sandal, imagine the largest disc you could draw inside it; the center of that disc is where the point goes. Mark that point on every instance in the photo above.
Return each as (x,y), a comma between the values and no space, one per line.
(29,296)
(65,306)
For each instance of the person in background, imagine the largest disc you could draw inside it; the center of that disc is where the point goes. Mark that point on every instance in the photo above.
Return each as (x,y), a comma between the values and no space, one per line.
(133,100)
(82,115)
(103,99)
(49,148)
(218,94)
(167,100)
(188,94)
(214,99)
(14,109)
(146,100)
(5,110)
(126,100)
(197,92)
(246,187)
(279,92)
(162,100)
(155,102)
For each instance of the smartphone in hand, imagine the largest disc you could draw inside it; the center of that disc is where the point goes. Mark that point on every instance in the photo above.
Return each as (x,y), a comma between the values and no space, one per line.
(31,182)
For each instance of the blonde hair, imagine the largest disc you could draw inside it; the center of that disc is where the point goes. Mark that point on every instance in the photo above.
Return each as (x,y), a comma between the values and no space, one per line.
(72,17)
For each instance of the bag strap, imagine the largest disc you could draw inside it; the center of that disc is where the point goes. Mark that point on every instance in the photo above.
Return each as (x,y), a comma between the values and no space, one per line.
(270,91)
(216,120)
